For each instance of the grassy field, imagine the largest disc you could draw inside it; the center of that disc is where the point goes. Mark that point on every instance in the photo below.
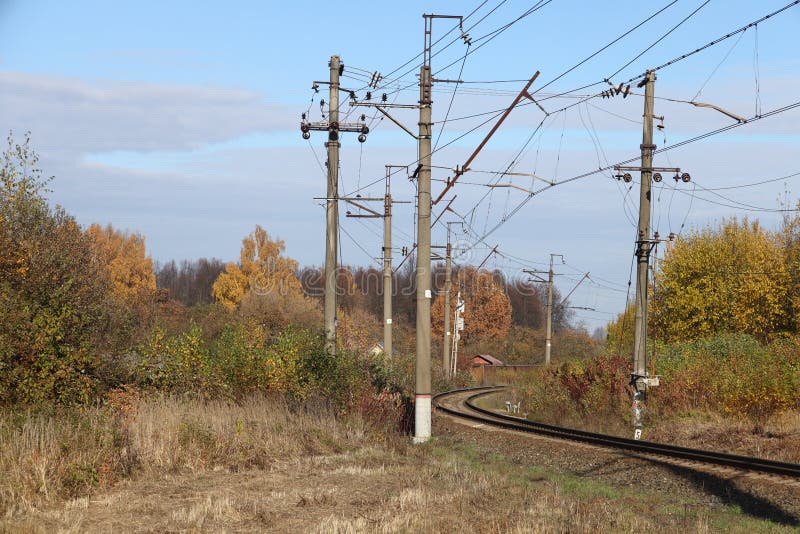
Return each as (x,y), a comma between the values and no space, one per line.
(265,464)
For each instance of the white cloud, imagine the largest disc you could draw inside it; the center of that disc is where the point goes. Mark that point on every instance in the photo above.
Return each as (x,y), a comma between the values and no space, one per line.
(72,115)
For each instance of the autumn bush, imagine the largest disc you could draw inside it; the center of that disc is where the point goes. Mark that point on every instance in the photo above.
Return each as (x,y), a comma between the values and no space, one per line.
(53,294)
(731,374)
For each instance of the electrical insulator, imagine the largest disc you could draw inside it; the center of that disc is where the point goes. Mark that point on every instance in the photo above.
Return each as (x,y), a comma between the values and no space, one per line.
(677,177)
(657,177)
(656,236)
(362,138)
(369,95)
(627,177)
(363,117)
(304,127)
(353,96)
(364,129)
(306,135)
(672,236)
(384,98)
(685,177)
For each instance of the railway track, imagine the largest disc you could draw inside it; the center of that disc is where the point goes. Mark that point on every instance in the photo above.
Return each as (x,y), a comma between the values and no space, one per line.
(462,404)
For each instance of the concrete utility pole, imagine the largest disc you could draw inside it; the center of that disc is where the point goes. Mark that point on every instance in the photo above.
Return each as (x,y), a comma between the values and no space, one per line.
(422,373)
(548,336)
(446,328)
(549,322)
(333,127)
(448,335)
(387,266)
(386,250)
(422,388)
(639,378)
(332,208)
(549,307)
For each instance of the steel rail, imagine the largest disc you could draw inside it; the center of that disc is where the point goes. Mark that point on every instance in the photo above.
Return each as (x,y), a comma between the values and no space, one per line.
(744,463)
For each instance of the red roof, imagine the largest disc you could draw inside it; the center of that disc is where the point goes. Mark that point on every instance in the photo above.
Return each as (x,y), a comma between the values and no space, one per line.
(487,360)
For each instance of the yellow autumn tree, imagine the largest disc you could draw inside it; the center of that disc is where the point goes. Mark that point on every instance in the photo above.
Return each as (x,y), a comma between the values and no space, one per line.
(488,308)
(127,261)
(261,270)
(619,337)
(726,279)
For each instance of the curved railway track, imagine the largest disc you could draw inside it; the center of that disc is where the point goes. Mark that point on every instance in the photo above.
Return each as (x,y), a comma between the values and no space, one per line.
(462,404)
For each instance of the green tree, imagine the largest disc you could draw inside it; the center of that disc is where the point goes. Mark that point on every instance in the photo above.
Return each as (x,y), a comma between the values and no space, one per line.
(727,279)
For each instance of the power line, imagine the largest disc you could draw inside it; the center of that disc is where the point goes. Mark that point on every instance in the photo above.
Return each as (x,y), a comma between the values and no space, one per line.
(495,33)
(661,150)
(416,66)
(678,25)
(609,44)
(450,105)
(720,39)
(741,186)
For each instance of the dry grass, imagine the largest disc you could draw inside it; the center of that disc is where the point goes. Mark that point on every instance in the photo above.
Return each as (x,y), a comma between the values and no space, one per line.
(48,457)
(268,466)
(777,439)
(423,490)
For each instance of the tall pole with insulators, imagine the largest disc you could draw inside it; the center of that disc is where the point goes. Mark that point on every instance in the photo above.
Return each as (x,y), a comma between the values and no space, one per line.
(333,127)
(549,320)
(639,378)
(422,386)
(332,207)
(446,327)
(387,266)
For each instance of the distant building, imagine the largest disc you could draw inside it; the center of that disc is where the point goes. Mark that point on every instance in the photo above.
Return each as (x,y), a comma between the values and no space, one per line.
(485,359)
(480,362)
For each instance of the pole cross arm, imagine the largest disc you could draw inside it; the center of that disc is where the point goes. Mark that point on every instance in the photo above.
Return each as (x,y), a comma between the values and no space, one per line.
(380,107)
(361,206)
(639,169)
(465,167)
(340,126)
(397,122)
(384,105)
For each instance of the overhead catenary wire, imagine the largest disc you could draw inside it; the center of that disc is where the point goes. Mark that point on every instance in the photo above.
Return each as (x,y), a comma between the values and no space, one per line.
(720,39)
(684,142)
(664,36)
(630,160)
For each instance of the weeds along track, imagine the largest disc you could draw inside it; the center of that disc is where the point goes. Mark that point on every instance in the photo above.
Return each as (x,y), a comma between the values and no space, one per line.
(461,403)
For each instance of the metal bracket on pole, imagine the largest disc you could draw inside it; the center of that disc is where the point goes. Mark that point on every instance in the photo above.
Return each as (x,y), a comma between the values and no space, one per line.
(464,168)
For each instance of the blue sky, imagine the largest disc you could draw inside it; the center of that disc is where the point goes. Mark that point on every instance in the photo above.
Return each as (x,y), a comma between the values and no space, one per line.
(179,120)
